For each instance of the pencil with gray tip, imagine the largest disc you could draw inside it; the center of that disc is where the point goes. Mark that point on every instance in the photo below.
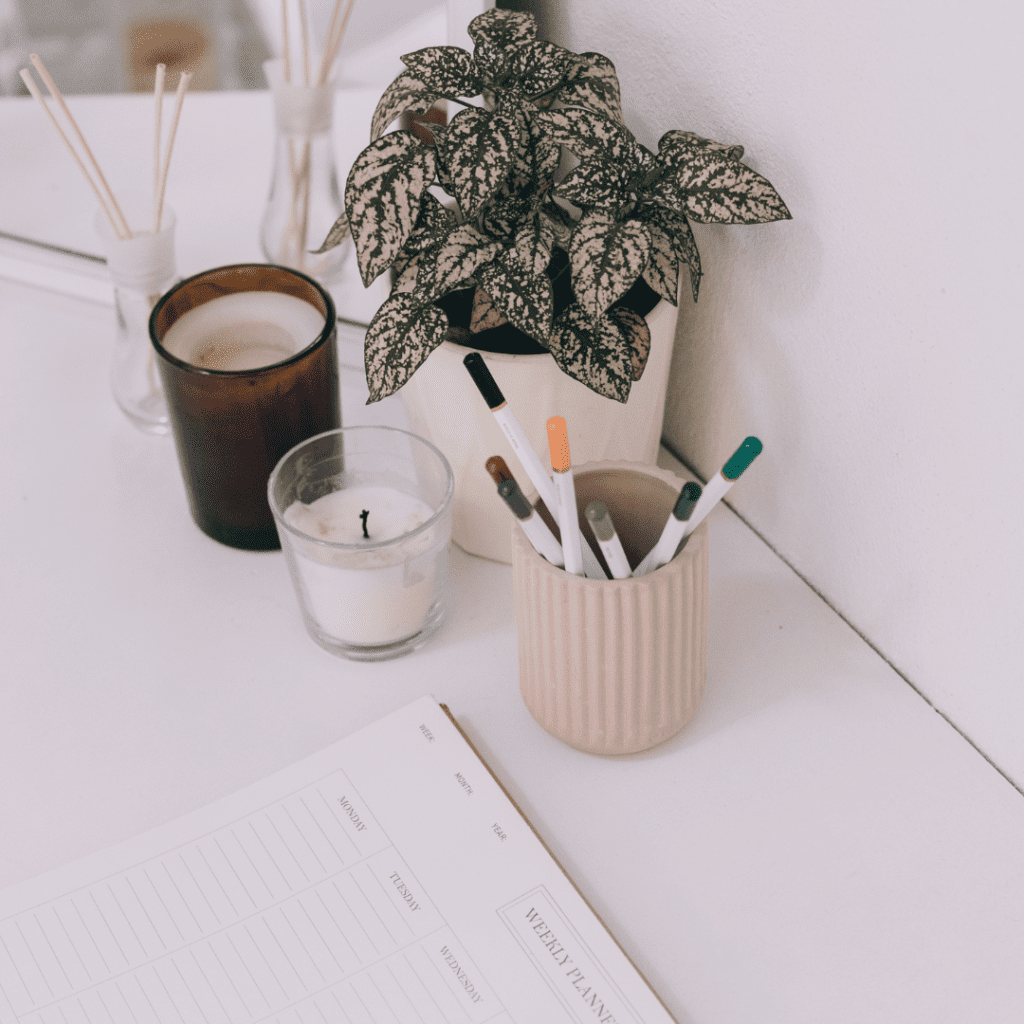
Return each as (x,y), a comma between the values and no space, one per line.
(604,530)
(542,539)
(497,469)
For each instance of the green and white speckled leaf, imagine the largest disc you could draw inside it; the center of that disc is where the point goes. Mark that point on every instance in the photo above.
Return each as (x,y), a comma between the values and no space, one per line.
(589,134)
(676,149)
(598,184)
(525,300)
(478,149)
(662,270)
(447,69)
(338,233)
(382,198)
(595,86)
(560,222)
(634,327)
(400,337)
(598,355)
(537,157)
(504,215)
(504,30)
(607,257)
(453,260)
(496,35)
(406,92)
(485,314)
(539,66)
(533,246)
(718,190)
(664,224)
(433,221)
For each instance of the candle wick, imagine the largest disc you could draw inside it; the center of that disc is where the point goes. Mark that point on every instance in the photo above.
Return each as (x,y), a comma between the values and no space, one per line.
(363,515)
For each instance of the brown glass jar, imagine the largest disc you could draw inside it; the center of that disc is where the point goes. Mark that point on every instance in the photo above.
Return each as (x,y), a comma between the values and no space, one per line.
(231,426)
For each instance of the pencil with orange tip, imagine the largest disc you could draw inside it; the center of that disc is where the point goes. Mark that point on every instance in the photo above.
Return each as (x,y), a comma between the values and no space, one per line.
(568,521)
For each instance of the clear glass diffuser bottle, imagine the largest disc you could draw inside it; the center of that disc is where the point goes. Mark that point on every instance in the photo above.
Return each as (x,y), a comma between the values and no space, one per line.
(304,198)
(142,268)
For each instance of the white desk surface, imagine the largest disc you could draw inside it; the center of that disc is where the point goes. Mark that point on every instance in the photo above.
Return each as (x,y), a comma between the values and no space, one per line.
(818,846)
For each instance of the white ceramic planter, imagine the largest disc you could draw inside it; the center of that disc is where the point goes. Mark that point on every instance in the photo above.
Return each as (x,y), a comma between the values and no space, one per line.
(444,406)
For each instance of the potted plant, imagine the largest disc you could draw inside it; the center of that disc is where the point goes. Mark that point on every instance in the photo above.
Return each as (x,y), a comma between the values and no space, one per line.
(561,233)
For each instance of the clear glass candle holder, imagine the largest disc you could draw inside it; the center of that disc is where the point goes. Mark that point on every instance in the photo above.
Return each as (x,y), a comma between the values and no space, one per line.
(142,268)
(365,520)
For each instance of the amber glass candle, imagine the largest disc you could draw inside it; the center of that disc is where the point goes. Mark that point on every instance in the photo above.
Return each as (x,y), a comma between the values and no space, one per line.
(248,360)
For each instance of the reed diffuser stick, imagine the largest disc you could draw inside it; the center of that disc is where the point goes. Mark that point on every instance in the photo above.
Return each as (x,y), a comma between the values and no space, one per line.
(179,99)
(284,42)
(332,44)
(26,77)
(305,43)
(51,85)
(161,72)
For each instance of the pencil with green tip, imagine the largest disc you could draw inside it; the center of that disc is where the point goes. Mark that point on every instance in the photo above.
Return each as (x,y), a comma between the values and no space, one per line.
(677,530)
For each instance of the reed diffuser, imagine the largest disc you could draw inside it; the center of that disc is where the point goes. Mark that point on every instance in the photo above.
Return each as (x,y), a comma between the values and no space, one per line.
(304,198)
(137,233)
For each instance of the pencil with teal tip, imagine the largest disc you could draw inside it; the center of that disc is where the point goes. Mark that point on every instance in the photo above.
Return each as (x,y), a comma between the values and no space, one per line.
(716,488)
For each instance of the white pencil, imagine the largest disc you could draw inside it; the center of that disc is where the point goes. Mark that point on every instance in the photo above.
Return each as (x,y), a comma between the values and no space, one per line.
(604,530)
(568,515)
(536,530)
(715,490)
(672,534)
(535,470)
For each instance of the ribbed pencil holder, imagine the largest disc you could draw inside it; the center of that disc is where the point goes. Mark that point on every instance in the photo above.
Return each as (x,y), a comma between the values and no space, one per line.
(615,666)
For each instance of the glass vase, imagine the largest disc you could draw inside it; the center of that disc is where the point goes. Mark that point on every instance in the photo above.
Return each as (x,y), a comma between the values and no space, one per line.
(304,199)
(142,268)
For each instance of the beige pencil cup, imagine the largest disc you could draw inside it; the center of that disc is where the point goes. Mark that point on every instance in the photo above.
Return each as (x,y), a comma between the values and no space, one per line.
(615,666)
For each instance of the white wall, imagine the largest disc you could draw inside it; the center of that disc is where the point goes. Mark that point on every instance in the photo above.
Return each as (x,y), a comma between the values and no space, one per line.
(875,343)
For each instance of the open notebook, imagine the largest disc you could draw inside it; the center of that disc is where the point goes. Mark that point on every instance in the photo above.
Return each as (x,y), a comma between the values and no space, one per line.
(388,878)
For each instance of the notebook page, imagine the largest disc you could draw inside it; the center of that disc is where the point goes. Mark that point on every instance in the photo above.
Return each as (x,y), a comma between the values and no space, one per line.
(384,880)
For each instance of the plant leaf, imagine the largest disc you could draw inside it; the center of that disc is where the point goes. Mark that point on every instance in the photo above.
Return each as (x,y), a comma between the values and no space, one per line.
(634,327)
(676,230)
(400,337)
(595,183)
(662,270)
(453,260)
(406,92)
(533,246)
(537,157)
(596,86)
(599,355)
(607,257)
(504,215)
(539,66)
(433,221)
(590,134)
(714,189)
(447,69)
(676,149)
(485,314)
(477,150)
(526,301)
(382,198)
(496,35)
(338,233)
(561,223)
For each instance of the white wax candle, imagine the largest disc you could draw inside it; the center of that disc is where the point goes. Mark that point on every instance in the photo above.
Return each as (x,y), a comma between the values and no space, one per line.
(373,596)
(244,331)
